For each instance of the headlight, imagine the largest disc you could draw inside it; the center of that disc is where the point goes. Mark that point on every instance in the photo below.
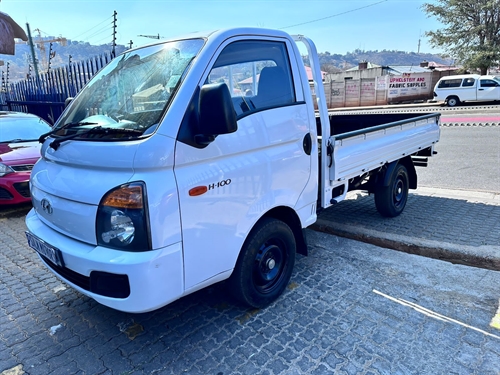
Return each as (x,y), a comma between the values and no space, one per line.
(122,228)
(122,219)
(5,169)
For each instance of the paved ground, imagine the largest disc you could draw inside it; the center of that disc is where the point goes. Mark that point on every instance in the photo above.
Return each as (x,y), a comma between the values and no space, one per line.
(351,308)
(455,225)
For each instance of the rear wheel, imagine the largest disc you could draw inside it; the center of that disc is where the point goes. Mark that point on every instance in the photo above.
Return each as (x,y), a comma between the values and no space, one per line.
(265,264)
(452,101)
(391,200)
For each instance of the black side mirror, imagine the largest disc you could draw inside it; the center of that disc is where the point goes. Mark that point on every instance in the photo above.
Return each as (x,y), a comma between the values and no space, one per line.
(67,101)
(216,113)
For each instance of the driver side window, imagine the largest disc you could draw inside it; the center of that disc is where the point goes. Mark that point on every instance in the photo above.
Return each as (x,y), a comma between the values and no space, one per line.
(488,83)
(257,74)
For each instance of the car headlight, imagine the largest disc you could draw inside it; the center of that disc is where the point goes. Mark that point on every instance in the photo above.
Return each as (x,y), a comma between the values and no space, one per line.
(122,219)
(5,169)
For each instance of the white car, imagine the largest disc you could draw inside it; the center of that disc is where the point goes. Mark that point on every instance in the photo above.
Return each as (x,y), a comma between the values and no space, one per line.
(454,90)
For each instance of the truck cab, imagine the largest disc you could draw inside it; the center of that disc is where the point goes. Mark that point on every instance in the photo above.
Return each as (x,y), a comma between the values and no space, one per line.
(161,167)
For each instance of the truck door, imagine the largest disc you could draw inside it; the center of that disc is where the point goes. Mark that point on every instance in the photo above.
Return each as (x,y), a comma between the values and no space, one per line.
(488,89)
(227,185)
(468,90)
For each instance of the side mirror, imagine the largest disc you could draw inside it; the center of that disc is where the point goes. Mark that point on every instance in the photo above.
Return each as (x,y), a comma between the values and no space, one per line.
(216,113)
(67,101)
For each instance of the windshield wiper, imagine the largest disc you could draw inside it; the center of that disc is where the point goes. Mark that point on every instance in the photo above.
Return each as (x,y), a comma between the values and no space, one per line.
(43,137)
(97,130)
(18,140)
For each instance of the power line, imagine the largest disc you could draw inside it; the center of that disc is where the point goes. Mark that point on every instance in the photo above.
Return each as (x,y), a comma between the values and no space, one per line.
(103,29)
(92,28)
(334,15)
(107,37)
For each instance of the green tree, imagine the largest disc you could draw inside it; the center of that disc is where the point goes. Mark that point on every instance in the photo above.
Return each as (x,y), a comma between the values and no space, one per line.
(471,32)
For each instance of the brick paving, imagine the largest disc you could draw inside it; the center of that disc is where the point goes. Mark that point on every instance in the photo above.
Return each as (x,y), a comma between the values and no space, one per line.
(351,308)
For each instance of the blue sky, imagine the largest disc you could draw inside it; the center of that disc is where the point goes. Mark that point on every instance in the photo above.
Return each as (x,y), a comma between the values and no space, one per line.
(336,26)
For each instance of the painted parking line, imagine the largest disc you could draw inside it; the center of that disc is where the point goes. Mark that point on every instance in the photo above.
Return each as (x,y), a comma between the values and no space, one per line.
(435,315)
(495,322)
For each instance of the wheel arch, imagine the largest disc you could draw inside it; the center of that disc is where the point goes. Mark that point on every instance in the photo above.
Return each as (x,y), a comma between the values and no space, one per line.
(290,217)
(410,168)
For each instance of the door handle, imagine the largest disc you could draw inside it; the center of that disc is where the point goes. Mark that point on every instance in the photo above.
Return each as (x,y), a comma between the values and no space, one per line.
(307,144)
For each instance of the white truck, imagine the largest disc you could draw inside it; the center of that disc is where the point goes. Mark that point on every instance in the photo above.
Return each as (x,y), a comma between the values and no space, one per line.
(201,159)
(454,90)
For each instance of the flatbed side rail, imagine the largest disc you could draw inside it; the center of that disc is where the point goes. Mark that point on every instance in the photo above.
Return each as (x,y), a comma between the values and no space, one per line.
(362,151)
(386,126)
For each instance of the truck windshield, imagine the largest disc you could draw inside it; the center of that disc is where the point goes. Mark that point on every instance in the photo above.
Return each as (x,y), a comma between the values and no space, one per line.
(131,92)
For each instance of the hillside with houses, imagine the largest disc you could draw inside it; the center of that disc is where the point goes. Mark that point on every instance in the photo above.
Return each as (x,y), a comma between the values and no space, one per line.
(19,64)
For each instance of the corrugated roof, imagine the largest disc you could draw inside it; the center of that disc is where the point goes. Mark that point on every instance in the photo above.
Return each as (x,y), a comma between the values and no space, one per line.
(369,66)
(402,69)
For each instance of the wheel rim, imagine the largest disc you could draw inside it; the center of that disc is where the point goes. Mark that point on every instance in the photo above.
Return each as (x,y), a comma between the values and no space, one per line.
(399,192)
(269,265)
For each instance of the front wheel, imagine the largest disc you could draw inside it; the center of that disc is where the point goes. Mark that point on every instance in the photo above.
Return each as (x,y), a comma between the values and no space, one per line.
(265,264)
(391,200)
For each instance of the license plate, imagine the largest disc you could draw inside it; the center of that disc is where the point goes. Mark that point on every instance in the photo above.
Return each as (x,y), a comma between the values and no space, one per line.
(50,252)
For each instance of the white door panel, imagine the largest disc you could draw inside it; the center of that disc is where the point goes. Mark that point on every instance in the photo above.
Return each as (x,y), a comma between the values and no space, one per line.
(261,166)
(488,93)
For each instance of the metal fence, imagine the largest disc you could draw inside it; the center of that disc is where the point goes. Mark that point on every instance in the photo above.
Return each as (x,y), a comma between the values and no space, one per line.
(45,95)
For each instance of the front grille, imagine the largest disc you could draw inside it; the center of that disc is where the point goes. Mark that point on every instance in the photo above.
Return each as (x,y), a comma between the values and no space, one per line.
(5,194)
(22,168)
(72,276)
(23,188)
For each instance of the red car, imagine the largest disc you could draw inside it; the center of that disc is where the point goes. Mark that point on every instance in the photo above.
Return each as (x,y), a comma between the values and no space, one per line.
(19,151)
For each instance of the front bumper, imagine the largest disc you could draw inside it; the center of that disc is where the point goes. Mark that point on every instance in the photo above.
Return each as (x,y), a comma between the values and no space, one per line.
(14,188)
(153,278)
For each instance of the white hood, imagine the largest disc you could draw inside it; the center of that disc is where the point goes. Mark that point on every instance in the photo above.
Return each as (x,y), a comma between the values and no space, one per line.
(68,184)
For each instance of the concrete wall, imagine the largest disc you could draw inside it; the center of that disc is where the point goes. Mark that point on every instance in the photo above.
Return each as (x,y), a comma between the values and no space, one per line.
(377,90)
(353,93)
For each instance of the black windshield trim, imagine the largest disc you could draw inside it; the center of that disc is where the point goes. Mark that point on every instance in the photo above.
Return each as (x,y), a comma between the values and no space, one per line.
(97,130)
(68,125)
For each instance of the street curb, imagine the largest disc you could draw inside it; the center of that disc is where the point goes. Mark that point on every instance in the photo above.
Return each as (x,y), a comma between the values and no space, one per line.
(487,257)
(468,195)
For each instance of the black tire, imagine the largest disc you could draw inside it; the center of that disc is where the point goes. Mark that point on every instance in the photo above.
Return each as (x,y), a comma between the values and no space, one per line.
(265,264)
(391,200)
(452,101)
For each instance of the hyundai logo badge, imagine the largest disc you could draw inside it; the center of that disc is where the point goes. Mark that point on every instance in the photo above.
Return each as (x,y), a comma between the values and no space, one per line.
(46,206)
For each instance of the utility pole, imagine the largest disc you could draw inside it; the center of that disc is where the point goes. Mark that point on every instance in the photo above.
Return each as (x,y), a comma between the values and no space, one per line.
(419,40)
(130,44)
(70,77)
(51,56)
(32,47)
(113,51)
